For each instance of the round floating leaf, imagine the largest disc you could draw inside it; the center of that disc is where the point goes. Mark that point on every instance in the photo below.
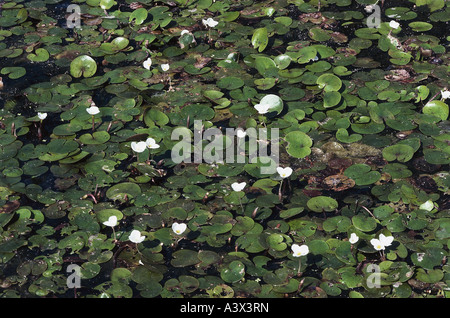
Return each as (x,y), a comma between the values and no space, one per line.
(40,55)
(138,16)
(419,26)
(230,83)
(343,136)
(344,253)
(260,39)
(282,61)
(275,103)
(362,174)
(83,65)
(124,190)
(103,215)
(322,204)
(183,258)
(331,99)
(13,72)
(402,153)
(337,223)
(234,272)
(397,170)
(363,223)
(97,138)
(436,108)
(276,241)
(266,66)
(299,144)
(318,247)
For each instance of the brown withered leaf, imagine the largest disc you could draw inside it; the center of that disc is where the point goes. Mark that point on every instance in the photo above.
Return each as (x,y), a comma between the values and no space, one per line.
(338,182)
(10,207)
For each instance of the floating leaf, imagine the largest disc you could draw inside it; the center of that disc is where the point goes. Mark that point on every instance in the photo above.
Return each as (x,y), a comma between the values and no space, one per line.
(260,39)
(299,144)
(83,65)
(322,204)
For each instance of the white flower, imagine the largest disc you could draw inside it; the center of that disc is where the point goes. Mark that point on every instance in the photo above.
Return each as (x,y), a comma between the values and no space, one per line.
(240,133)
(112,221)
(284,172)
(299,250)
(386,240)
(184,32)
(238,186)
(427,206)
(138,146)
(210,22)
(445,94)
(353,238)
(394,24)
(165,67)
(262,108)
(42,116)
(377,244)
(151,143)
(382,242)
(136,237)
(179,228)
(93,110)
(147,63)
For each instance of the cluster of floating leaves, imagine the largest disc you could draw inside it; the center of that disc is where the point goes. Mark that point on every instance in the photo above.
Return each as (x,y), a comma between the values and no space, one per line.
(86,175)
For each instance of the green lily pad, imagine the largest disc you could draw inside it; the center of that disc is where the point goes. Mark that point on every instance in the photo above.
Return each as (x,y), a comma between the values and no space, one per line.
(123,191)
(329,82)
(13,72)
(83,65)
(362,174)
(363,223)
(138,16)
(40,55)
(183,258)
(234,272)
(343,136)
(436,108)
(419,26)
(96,138)
(322,204)
(399,152)
(299,144)
(260,39)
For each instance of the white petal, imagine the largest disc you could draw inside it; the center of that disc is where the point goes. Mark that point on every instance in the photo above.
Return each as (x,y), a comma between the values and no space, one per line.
(147,63)
(112,221)
(136,237)
(427,206)
(353,238)
(238,186)
(377,244)
(445,94)
(386,240)
(151,143)
(240,133)
(165,67)
(179,228)
(284,172)
(262,108)
(394,24)
(138,146)
(93,110)
(42,116)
